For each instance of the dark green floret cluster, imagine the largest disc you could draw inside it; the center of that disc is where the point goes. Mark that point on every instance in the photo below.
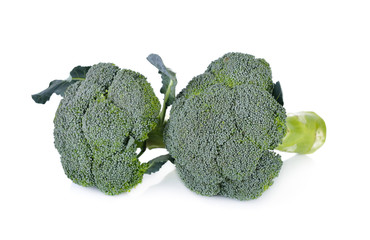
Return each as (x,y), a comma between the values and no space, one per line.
(223,126)
(100,124)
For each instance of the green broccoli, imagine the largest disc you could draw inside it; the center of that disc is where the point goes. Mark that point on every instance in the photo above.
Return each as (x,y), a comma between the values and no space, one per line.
(222,130)
(224,125)
(105,116)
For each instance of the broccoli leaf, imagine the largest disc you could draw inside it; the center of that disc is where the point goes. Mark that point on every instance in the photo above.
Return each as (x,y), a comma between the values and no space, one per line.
(156,163)
(56,86)
(169,80)
(277,92)
(60,86)
(79,73)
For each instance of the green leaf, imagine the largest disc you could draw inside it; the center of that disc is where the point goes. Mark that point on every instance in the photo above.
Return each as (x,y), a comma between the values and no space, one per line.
(169,80)
(277,92)
(60,86)
(79,73)
(56,86)
(155,164)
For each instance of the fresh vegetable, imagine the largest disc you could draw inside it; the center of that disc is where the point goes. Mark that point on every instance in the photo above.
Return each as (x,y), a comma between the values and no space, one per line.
(221,134)
(104,118)
(224,125)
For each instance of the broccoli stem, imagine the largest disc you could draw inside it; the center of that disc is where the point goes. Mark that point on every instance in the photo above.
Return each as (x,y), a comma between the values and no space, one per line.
(155,137)
(162,114)
(306,132)
(169,81)
(143,148)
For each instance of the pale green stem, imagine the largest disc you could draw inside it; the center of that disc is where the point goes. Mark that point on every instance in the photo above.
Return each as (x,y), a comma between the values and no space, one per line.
(306,132)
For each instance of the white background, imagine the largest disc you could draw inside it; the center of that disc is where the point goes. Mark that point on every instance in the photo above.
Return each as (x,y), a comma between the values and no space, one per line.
(318,50)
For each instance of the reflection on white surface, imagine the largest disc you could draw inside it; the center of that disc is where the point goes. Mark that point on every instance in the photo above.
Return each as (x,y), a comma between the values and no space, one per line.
(296,173)
(170,184)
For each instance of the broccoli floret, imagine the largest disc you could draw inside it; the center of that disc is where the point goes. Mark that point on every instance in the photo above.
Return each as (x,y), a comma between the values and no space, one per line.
(99,125)
(261,179)
(223,126)
(231,70)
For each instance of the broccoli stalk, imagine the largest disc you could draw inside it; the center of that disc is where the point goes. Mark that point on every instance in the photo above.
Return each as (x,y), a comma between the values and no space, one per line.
(169,81)
(155,137)
(306,132)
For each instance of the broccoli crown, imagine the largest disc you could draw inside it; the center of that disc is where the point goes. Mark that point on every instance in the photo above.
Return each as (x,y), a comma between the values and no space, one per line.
(222,127)
(99,125)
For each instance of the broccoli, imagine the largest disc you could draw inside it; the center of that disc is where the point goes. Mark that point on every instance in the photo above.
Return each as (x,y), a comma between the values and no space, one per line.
(104,118)
(221,133)
(224,125)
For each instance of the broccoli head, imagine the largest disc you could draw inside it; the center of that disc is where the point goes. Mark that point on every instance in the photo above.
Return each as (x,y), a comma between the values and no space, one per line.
(223,126)
(99,125)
